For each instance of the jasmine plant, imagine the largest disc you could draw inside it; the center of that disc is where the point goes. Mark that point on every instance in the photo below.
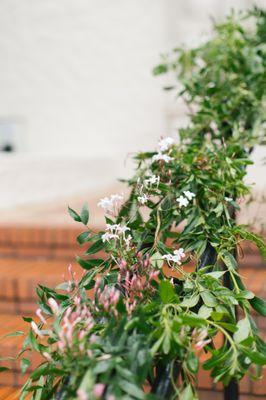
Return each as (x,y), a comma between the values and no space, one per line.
(152,299)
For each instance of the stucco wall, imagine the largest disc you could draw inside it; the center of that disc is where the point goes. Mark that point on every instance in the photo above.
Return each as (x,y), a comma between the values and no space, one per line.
(75,75)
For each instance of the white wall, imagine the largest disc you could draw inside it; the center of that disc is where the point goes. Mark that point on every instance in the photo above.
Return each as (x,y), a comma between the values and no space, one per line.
(75,75)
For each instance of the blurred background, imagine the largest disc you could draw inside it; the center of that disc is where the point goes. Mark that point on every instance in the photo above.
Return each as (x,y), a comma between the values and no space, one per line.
(77,99)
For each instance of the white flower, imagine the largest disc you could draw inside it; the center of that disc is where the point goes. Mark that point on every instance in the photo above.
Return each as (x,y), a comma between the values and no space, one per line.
(228,199)
(108,236)
(176,257)
(183,202)
(114,232)
(162,157)
(164,144)
(168,257)
(121,229)
(189,194)
(214,126)
(127,241)
(143,199)
(152,180)
(179,254)
(111,204)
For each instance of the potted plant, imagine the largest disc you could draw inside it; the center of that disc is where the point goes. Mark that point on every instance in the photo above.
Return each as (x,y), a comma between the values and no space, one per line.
(134,326)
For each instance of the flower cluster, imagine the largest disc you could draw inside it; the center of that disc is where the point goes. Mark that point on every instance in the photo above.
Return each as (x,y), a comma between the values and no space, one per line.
(164,145)
(135,280)
(151,182)
(199,338)
(162,157)
(112,204)
(116,231)
(76,321)
(106,298)
(183,201)
(176,257)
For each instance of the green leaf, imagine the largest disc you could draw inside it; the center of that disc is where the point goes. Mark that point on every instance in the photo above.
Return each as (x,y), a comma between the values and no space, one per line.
(84,215)
(253,237)
(193,320)
(87,280)
(187,394)
(104,366)
(27,319)
(156,260)
(63,286)
(83,238)
(160,69)
(89,264)
(13,334)
(258,305)
(192,362)
(74,215)
(131,389)
(166,343)
(229,260)
(254,356)
(24,365)
(215,274)
(243,331)
(217,316)
(167,293)
(245,294)
(2,369)
(216,359)
(208,299)
(43,369)
(190,301)
(204,312)
(95,247)
(229,327)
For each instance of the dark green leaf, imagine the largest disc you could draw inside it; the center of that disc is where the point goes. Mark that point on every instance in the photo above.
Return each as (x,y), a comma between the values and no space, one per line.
(83,238)
(167,292)
(95,247)
(259,305)
(74,215)
(84,215)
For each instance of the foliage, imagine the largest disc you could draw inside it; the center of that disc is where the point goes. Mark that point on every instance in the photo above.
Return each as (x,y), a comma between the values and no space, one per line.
(148,306)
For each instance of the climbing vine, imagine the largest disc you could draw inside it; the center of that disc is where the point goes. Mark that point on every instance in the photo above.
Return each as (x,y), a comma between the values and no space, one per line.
(152,298)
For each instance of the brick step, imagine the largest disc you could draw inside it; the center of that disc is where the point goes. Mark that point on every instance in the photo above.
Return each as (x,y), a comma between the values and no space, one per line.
(60,242)
(8,393)
(38,242)
(19,279)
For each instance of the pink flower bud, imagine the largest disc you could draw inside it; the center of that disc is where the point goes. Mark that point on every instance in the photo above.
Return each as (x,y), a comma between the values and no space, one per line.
(40,316)
(98,390)
(47,356)
(35,329)
(53,305)
(82,395)
(200,344)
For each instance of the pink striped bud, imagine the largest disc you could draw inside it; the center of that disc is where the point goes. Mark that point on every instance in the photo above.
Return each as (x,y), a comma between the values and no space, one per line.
(98,390)
(35,329)
(47,356)
(82,395)
(40,316)
(53,305)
